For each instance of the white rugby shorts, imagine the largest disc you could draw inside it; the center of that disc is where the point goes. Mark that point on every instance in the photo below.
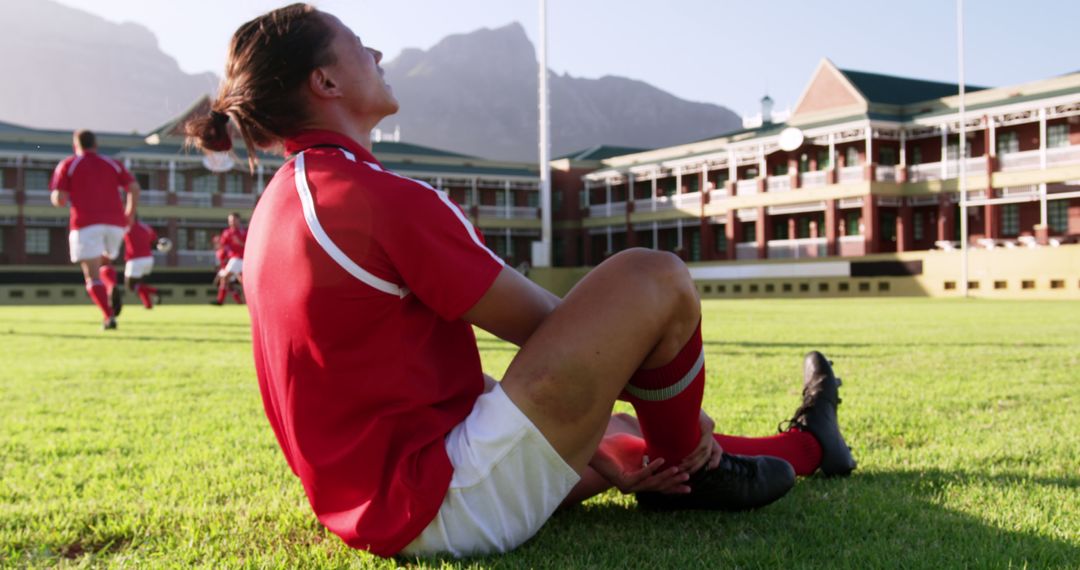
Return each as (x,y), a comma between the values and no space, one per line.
(507,482)
(235,266)
(138,267)
(94,241)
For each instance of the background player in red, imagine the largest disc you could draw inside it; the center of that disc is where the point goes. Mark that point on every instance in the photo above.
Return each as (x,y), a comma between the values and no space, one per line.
(228,250)
(138,241)
(363,287)
(90,183)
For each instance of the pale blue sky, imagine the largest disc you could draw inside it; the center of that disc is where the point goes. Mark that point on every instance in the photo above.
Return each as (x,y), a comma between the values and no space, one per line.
(725,52)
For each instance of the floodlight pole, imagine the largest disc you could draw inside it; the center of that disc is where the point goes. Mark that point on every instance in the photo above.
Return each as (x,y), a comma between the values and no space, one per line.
(962,159)
(544,259)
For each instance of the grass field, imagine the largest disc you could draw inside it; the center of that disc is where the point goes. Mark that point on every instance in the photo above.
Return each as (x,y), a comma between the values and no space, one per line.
(148,447)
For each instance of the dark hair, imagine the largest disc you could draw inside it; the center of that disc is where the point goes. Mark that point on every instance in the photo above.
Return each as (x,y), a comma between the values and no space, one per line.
(86,139)
(270,58)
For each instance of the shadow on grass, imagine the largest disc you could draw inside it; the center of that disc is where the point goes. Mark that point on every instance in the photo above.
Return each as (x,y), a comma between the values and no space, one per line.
(871,520)
(103,335)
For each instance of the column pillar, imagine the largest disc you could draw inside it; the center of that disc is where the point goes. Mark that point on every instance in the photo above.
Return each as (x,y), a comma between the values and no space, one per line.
(1042,138)
(18,254)
(831,223)
(869,170)
(763,233)
(731,221)
(733,168)
(871,223)
(172,258)
(791,227)
(905,229)
(944,151)
(990,221)
(901,169)
(830,174)
(946,219)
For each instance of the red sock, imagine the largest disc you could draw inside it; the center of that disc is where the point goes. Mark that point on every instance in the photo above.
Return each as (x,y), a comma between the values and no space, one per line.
(668,402)
(96,289)
(221,294)
(144,295)
(108,277)
(236,297)
(799,448)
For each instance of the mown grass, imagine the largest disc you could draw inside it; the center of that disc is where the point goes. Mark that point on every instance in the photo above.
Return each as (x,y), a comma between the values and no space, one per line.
(147,447)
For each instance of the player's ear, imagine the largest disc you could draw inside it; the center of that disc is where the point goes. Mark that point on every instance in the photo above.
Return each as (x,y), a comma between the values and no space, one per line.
(322,85)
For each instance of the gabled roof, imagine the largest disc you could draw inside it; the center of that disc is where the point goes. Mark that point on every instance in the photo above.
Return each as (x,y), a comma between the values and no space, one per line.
(175,127)
(893,90)
(600,152)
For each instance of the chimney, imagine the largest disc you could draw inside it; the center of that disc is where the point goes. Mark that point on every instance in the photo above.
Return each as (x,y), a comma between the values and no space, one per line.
(766,110)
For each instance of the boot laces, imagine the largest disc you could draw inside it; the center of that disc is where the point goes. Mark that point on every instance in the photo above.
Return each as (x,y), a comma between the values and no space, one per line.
(735,467)
(811,394)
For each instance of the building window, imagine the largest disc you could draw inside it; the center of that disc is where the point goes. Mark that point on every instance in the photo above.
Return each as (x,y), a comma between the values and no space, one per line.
(666,186)
(1057,136)
(500,198)
(803,227)
(720,237)
(917,228)
(1008,142)
(888,226)
(804,163)
(143,179)
(201,240)
(532,199)
(205,183)
(182,238)
(916,155)
(1010,219)
(749,232)
(720,179)
(234,183)
(751,173)
(780,229)
(823,159)
(887,156)
(37,241)
(851,224)
(38,180)
(693,182)
(1057,214)
(780,168)
(695,244)
(851,156)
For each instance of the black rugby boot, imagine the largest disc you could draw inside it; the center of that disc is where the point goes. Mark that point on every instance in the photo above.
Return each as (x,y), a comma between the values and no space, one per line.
(116,300)
(817,415)
(739,483)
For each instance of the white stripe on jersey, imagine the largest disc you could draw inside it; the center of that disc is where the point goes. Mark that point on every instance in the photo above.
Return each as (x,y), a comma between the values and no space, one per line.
(116,165)
(328,245)
(446,201)
(74,163)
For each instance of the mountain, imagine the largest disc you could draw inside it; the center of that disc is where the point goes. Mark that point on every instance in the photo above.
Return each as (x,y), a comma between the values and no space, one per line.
(476,93)
(65,69)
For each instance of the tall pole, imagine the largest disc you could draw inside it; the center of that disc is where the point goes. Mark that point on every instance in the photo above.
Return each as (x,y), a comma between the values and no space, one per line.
(962,152)
(544,257)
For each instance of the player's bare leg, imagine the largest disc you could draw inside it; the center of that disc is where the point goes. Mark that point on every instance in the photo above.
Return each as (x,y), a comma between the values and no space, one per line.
(96,289)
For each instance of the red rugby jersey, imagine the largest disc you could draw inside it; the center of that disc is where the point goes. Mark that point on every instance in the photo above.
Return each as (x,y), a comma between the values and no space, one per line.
(137,241)
(356,279)
(93,183)
(234,240)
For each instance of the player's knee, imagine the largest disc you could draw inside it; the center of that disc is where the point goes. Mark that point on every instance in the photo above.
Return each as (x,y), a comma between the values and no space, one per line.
(668,275)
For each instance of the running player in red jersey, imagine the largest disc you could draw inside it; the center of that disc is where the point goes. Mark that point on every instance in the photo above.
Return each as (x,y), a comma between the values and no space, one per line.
(89,183)
(363,287)
(229,251)
(138,241)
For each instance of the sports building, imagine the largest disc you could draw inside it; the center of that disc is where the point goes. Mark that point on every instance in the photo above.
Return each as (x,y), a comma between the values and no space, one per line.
(855,190)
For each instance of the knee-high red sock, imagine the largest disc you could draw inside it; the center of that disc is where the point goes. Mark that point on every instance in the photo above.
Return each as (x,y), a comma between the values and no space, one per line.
(108,277)
(221,293)
(236,297)
(96,289)
(668,402)
(798,448)
(144,295)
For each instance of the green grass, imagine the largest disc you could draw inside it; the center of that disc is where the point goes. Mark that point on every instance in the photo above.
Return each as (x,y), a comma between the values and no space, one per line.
(147,447)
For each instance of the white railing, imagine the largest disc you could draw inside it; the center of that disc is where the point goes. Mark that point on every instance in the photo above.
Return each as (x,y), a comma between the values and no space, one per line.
(850,174)
(508,212)
(924,172)
(1062,155)
(885,173)
(153,198)
(797,248)
(746,187)
(237,200)
(38,198)
(688,201)
(812,179)
(7,196)
(746,250)
(650,205)
(608,209)
(1025,160)
(195,258)
(198,199)
(1013,191)
(780,183)
(974,165)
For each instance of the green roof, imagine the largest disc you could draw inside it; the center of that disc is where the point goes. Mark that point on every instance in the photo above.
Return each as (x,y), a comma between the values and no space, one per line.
(463,169)
(412,149)
(893,90)
(600,152)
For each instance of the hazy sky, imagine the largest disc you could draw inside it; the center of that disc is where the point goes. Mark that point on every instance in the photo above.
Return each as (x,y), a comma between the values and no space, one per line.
(727,52)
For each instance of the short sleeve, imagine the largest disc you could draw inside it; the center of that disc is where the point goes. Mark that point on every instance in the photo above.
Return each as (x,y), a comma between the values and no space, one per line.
(60,177)
(125,177)
(436,250)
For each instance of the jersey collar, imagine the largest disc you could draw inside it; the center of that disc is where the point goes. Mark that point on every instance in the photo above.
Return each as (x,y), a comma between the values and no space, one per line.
(317,137)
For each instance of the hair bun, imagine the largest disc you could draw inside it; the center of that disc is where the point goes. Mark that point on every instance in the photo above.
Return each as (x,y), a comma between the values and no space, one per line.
(210,132)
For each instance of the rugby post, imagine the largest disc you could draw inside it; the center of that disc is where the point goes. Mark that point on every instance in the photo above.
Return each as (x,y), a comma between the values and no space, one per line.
(962,151)
(541,251)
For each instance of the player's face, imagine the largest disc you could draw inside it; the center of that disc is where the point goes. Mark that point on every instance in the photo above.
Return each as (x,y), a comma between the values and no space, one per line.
(360,77)
(233,222)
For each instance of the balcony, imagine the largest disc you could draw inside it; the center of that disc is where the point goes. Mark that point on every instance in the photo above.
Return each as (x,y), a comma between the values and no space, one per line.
(746,250)
(924,172)
(38,198)
(849,174)
(7,196)
(885,173)
(851,246)
(509,212)
(1026,160)
(237,200)
(1063,155)
(651,205)
(781,183)
(607,209)
(746,187)
(195,258)
(797,248)
(812,179)
(153,198)
(688,201)
(196,199)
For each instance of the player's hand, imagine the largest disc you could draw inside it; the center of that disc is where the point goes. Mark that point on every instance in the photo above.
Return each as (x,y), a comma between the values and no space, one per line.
(708,452)
(653,477)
